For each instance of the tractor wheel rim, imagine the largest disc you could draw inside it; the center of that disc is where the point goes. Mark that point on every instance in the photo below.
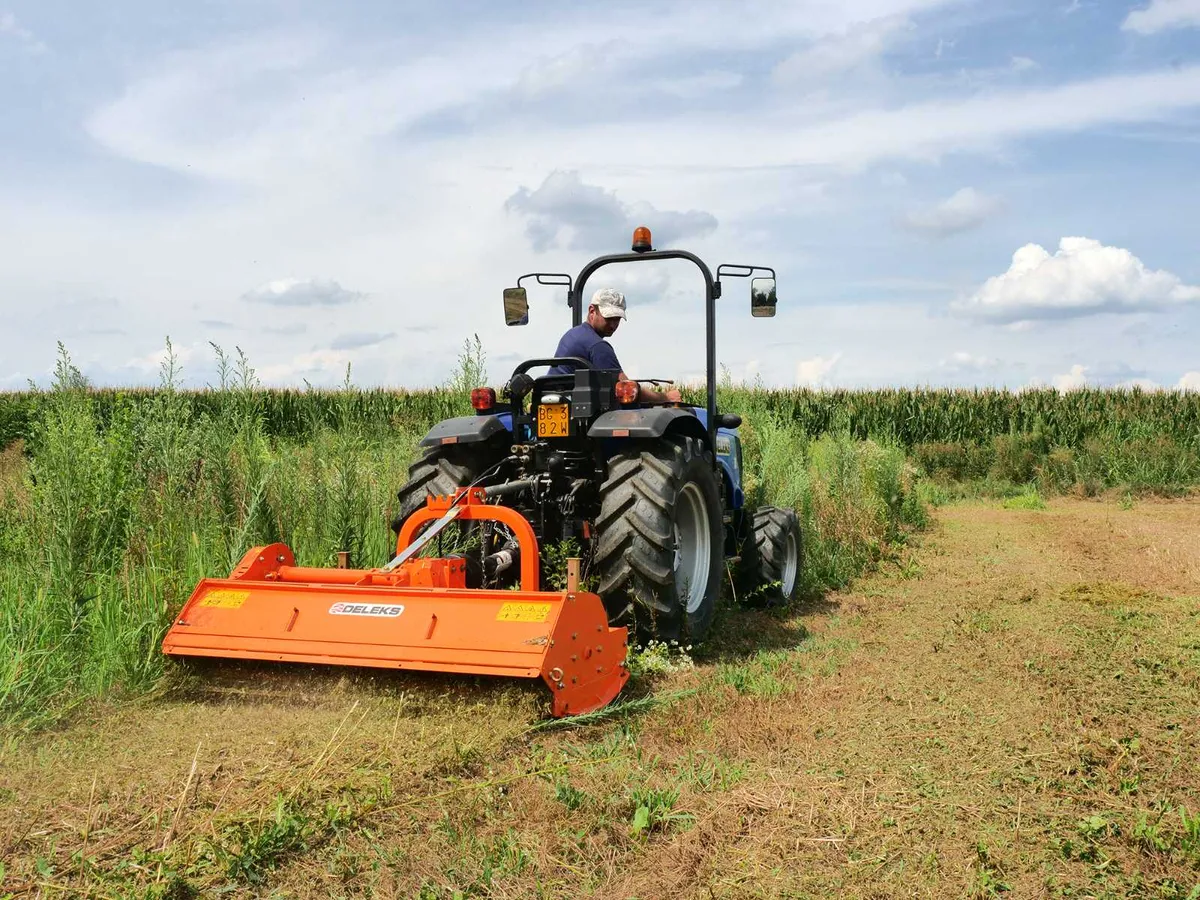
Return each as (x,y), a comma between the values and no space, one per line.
(693,546)
(791,564)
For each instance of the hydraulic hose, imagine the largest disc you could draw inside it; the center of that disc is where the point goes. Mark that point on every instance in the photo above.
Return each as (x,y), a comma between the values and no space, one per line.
(511,487)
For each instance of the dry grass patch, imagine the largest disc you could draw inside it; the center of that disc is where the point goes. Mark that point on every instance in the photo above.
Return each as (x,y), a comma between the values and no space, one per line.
(13,467)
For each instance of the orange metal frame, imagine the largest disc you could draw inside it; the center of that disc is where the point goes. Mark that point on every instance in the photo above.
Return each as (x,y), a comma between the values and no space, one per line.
(420,615)
(474,506)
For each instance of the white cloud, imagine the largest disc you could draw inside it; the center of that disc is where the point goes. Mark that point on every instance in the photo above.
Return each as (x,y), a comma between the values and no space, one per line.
(642,285)
(1072,380)
(1081,376)
(152,362)
(11,27)
(1023,64)
(815,372)
(1082,278)
(1189,382)
(554,73)
(259,107)
(263,110)
(302,292)
(837,54)
(962,211)
(1163,14)
(566,212)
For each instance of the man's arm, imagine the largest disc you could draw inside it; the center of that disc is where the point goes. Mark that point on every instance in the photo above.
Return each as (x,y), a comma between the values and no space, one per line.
(604,357)
(648,395)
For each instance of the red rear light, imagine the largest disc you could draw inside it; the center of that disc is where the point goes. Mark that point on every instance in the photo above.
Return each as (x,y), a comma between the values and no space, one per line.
(483,398)
(627,391)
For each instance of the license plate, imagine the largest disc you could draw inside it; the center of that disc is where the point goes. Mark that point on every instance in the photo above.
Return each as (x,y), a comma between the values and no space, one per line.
(553,420)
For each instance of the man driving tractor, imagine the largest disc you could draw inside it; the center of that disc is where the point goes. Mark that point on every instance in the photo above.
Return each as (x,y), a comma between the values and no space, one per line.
(586,341)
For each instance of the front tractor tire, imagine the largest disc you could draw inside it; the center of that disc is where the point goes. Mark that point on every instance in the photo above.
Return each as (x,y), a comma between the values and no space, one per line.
(771,553)
(660,539)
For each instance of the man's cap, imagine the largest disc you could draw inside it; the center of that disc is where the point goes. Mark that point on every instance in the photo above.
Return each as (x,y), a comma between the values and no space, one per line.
(610,302)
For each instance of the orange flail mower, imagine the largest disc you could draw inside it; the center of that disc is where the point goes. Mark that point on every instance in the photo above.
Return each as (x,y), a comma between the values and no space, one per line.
(413,613)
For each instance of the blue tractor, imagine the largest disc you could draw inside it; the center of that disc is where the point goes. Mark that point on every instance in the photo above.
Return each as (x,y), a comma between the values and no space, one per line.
(651,497)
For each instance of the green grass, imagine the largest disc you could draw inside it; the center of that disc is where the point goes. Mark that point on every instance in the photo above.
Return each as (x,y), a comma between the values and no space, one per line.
(114,523)
(1029,499)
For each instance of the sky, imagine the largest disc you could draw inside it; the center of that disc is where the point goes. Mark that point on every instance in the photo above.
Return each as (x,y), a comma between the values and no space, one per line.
(951,192)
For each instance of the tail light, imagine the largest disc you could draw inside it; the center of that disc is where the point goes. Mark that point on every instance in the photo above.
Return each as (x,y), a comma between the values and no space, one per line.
(483,398)
(627,391)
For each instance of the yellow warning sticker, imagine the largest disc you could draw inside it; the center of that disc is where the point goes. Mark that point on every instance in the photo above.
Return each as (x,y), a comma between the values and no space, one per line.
(523,612)
(225,599)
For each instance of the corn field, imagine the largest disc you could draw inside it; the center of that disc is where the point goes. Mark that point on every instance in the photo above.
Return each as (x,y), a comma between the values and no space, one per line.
(907,417)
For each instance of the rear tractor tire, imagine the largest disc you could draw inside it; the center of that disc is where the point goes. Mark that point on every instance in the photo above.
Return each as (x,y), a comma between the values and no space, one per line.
(659,546)
(772,554)
(441,470)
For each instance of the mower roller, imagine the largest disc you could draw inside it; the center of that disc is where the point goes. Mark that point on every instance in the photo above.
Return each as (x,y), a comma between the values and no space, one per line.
(414,613)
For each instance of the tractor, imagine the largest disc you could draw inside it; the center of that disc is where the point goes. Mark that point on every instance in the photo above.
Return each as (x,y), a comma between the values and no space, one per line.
(643,503)
(649,497)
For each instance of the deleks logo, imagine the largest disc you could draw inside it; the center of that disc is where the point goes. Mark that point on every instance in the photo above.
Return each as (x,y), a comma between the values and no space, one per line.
(384,610)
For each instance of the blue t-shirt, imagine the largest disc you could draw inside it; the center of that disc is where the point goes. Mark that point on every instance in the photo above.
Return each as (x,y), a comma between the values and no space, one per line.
(582,341)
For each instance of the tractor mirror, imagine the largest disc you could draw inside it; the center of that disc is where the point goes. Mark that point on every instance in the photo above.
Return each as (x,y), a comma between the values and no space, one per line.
(762,297)
(516,306)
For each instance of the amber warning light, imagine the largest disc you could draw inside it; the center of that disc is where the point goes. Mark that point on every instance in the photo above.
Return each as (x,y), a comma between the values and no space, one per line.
(641,239)
(483,398)
(627,391)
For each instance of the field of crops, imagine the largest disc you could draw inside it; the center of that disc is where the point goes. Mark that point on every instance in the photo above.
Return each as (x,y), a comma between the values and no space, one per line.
(909,417)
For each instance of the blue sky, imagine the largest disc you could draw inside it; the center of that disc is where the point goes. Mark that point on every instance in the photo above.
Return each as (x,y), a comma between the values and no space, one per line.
(952,192)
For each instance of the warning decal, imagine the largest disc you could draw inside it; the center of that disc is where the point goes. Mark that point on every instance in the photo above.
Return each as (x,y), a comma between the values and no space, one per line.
(523,612)
(225,599)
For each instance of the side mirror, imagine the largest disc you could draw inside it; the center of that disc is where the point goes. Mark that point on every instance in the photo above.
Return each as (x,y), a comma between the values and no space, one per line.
(516,306)
(762,297)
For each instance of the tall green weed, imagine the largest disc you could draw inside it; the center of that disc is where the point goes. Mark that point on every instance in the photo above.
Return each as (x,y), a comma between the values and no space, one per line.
(854,497)
(117,518)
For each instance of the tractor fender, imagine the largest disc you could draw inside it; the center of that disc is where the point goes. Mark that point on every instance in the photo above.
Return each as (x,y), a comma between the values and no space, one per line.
(464,430)
(652,422)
